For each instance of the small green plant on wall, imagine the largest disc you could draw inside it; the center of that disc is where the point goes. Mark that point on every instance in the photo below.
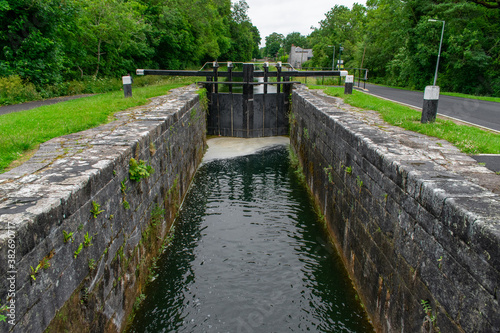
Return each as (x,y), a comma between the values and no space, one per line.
(139,170)
(92,264)
(3,308)
(157,214)
(359,182)
(68,236)
(34,271)
(123,187)
(126,204)
(328,172)
(44,263)
(95,209)
(87,240)
(78,250)
(430,317)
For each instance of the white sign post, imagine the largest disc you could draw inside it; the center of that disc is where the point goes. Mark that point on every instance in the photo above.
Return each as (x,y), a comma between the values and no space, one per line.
(127,86)
(349,82)
(431,99)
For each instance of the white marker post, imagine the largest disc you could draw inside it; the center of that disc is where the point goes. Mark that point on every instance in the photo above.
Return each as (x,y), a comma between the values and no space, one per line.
(349,82)
(127,85)
(431,99)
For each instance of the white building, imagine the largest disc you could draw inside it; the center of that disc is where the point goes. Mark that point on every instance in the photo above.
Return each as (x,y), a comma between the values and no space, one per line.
(299,55)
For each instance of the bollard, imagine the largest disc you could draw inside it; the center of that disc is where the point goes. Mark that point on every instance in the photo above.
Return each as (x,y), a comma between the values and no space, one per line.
(431,99)
(349,81)
(127,86)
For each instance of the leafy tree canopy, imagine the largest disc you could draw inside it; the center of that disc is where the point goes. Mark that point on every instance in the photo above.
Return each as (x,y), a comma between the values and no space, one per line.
(49,41)
(399,45)
(274,43)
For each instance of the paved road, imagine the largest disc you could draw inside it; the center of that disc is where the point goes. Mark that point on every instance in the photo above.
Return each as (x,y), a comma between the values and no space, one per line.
(482,113)
(31,105)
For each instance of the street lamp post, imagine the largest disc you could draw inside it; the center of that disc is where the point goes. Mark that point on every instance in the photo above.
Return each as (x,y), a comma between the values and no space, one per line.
(340,61)
(333,60)
(340,55)
(439,53)
(431,94)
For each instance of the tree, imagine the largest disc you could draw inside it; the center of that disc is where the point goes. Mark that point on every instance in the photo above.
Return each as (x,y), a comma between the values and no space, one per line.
(29,42)
(341,26)
(274,43)
(256,52)
(245,37)
(108,30)
(396,42)
(295,38)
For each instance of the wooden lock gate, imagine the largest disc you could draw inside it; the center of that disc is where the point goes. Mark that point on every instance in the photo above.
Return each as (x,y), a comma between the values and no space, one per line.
(248,114)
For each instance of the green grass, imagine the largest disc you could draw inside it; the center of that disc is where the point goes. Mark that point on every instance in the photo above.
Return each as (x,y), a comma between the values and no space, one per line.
(468,139)
(23,131)
(481,98)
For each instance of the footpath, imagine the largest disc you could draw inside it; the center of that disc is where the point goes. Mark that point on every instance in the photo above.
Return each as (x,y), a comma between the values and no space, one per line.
(31,105)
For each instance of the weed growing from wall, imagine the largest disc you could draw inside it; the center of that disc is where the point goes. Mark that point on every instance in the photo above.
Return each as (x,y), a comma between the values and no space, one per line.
(295,164)
(157,215)
(359,182)
(139,170)
(68,236)
(87,240)
(43,264)
(430,317)
(34,271)
(3,309)
(95,209)
(78,250)
(92,264)
(328,172)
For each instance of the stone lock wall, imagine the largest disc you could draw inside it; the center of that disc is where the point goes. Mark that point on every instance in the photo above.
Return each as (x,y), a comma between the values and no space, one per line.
(412,217)
(79,186)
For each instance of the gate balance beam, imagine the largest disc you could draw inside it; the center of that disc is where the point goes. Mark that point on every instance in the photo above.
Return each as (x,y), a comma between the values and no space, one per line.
(238,74)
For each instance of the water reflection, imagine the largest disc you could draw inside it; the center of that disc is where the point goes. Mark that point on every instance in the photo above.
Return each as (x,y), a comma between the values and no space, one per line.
(250,255)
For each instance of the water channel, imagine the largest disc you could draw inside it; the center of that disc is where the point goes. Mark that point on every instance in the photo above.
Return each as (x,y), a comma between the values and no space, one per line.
(249,254)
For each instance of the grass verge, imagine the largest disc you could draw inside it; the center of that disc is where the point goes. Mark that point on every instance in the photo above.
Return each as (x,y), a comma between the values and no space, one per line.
(23,131)
(482,98)
(468,139)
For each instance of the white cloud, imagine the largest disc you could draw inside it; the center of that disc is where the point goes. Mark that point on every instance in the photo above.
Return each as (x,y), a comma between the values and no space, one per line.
(290,16)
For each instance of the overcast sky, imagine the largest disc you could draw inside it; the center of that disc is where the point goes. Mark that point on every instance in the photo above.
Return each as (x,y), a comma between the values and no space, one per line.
(291,15)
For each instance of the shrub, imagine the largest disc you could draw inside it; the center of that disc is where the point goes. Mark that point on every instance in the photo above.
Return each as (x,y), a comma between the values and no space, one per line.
(13,90)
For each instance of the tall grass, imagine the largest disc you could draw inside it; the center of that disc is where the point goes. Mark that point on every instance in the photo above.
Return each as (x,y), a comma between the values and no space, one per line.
(469,139)
(25,130)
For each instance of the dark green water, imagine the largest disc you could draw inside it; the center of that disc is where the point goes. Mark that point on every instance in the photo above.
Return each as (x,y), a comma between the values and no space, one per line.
(250,255)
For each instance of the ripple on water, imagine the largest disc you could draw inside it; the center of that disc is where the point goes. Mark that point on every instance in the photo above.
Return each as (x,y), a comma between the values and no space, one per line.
(250,255)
